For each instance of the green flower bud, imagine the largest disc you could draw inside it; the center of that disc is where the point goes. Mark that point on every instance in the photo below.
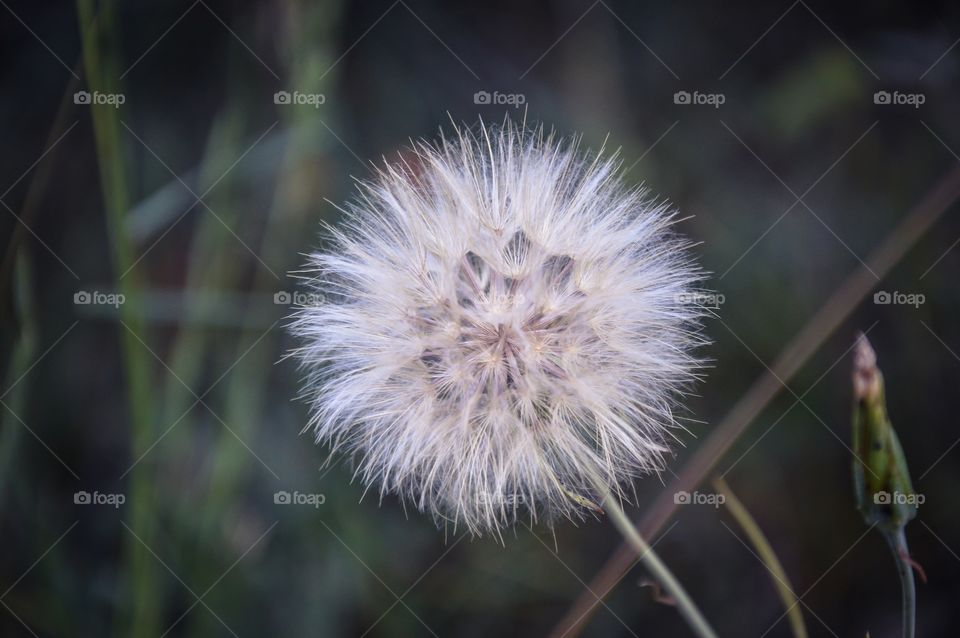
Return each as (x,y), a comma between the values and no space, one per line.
(881,479)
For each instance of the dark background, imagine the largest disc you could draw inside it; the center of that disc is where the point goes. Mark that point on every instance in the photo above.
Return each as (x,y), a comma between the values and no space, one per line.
(181,402)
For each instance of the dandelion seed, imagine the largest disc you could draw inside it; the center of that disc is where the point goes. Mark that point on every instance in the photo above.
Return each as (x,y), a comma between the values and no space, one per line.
(502,320)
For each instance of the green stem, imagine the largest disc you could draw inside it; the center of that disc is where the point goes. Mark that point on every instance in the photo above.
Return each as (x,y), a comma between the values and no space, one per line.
(908,588)
(688,609)
(767,555)
(100,47)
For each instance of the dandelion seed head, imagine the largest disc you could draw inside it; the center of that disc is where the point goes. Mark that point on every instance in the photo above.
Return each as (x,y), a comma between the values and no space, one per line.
(501,320)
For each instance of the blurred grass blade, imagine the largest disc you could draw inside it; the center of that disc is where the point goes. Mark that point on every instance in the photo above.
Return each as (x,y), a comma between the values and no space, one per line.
(99,42)
(21,358)
(766,554)
(38,183)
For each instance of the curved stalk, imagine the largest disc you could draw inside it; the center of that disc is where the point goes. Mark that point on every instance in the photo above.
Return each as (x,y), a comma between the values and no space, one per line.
(898,546)
(767,556)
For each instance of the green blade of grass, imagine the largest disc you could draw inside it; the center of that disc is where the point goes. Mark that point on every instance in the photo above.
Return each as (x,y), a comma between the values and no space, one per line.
(98,39)
(767,556)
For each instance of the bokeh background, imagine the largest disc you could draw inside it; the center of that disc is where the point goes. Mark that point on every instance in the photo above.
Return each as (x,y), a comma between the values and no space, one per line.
(196,197)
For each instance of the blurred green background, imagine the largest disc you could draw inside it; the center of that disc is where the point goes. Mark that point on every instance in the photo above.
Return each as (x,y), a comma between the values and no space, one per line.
(192,186)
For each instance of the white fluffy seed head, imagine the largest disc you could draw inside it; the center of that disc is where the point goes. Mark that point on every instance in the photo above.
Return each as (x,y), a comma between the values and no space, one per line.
(501,321)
